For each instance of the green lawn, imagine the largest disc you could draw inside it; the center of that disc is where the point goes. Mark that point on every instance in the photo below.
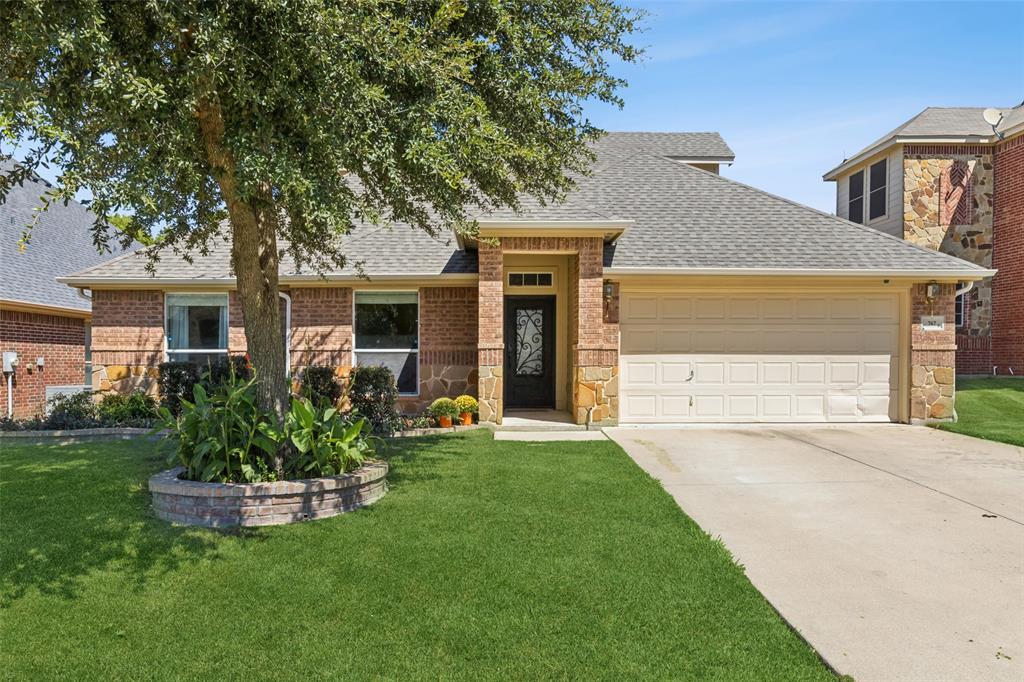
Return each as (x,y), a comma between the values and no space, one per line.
(486,560)
(991,408)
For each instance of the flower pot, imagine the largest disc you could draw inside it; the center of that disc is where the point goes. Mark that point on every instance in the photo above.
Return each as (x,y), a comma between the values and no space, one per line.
(445,421)
(467,418)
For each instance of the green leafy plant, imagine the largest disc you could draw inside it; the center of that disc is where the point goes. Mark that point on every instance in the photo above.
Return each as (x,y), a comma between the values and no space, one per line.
(223,436)
(320,385)
(327,444)
(467,404)
(176,379)
(372,394)
(126,409)
(444,407)
(420,421)
(71,411)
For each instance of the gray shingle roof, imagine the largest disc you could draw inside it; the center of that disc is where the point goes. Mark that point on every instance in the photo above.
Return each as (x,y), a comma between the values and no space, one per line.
(940,122)
(683,218)
(61,244)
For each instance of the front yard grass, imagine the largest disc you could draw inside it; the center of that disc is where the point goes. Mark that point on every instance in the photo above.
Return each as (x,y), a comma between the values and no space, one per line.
(486,560)
(990,408)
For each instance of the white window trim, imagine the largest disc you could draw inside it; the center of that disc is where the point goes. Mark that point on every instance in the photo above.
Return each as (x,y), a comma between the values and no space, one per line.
(404,351)
(168,352)
(960,311)
(866,218)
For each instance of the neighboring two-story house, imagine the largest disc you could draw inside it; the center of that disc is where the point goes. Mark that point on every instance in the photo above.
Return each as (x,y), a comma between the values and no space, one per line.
(952,182)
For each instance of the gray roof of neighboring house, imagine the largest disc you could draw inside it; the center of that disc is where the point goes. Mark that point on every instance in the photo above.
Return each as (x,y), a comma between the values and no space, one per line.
(683,219)
(966,123)
(61,243)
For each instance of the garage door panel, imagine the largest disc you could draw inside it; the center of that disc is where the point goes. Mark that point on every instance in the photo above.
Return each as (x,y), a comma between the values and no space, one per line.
(760,358)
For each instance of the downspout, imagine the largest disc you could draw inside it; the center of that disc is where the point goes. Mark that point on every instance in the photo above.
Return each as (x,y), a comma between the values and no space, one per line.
(10,396)
(287,333)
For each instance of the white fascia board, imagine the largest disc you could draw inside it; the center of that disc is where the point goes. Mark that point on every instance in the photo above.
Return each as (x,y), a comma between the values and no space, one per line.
(284,279)
(971,274)
(864,155)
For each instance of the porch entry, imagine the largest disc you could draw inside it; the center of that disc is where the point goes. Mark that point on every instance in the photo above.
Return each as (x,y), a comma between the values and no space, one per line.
(529,352)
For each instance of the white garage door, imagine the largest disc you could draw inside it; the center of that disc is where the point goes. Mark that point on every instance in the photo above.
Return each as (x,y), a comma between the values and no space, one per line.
(772,358)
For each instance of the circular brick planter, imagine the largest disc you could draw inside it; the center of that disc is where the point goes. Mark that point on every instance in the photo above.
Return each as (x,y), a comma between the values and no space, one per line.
(217,505)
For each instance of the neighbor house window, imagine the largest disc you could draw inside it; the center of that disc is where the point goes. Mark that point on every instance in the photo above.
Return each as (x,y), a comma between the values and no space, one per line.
(958,314)
(387,333)
(856,206)
(877,196)
(196,327)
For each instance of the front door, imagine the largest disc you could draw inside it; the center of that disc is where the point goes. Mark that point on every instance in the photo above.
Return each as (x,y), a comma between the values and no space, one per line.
(530,351)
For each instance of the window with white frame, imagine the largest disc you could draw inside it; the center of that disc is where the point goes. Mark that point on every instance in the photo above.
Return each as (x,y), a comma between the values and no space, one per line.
(196,327)
(877,194)
(387,333)
(855,205)
(958,314)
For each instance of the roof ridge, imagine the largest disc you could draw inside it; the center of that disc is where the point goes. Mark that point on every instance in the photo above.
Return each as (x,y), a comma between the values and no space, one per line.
(115,259)
(841,221)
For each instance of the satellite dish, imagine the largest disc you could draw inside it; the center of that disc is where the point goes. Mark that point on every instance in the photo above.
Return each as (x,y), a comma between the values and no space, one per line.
(992,116)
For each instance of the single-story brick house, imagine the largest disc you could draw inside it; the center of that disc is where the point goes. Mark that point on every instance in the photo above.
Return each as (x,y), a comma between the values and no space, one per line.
(44,322)
(658,291)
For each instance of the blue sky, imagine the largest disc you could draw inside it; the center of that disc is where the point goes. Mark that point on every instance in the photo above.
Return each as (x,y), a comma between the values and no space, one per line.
(796,87)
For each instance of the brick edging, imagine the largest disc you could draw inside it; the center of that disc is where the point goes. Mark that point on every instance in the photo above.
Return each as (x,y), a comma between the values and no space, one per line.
(62,436)
(217,505)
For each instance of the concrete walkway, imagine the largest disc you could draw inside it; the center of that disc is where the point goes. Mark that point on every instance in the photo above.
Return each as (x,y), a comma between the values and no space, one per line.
(896,551)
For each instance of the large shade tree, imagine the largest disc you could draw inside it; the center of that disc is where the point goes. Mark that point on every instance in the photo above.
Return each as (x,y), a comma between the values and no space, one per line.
(288,121)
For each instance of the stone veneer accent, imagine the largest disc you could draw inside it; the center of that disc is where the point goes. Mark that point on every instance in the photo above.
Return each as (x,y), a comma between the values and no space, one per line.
(932,356)
(448,345)
(127,340)
(927,215)
(217,505)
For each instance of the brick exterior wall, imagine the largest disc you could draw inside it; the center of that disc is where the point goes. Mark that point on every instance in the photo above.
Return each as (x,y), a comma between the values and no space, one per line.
(448,344)
(1008,258)
(59,340)
(932,355)
(321,327)
(127,339)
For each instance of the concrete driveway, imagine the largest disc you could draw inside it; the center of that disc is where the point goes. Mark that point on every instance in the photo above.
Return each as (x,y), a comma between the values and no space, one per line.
(896,551)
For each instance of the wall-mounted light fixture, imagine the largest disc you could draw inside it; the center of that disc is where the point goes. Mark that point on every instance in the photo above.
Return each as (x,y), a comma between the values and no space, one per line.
(609,289)
(932,290)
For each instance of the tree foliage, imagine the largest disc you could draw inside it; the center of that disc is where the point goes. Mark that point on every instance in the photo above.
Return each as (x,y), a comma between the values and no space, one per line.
(296,120)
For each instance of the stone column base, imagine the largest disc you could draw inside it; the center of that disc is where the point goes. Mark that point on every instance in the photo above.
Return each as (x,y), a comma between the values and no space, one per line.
(932,392)
(596,393)
(491,389)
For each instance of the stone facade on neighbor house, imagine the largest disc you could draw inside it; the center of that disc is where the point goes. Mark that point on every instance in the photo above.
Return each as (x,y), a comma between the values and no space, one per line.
(58,339)
(963,199)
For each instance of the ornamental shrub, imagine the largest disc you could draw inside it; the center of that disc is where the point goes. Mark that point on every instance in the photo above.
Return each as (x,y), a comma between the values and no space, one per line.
(71,411)
(126,409)
(320,385)
(467,404)
(444,407)
(372,393)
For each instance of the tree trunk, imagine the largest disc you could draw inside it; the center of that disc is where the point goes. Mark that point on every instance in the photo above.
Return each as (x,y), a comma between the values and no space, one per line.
(254,259)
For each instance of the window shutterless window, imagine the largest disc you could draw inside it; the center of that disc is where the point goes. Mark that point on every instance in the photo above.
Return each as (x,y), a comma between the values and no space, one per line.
(387,333)
(856,200)
(529,279)
(958,315)
(196,327)
(877,196)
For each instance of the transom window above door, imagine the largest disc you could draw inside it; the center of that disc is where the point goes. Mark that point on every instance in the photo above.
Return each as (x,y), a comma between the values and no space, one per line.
(530,279)
(387,333)
(196,327)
